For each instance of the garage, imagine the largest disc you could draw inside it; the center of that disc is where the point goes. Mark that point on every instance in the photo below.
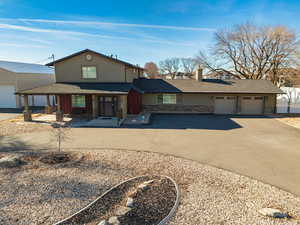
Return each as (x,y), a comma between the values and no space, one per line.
(225,105)
(252,105)
(7,96)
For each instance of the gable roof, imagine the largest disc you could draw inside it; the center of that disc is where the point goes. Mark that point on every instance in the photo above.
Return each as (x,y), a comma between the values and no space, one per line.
(207,86)
(97,53)
(19,67)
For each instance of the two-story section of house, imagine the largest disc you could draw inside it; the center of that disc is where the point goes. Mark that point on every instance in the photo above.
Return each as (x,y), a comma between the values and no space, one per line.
(91,84)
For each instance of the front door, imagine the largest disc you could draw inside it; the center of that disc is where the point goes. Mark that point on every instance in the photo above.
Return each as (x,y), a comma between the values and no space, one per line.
(108,105)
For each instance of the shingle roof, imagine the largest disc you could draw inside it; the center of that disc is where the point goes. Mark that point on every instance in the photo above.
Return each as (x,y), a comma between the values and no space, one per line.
(80,88)
(88,50)
(161,86)
(206,86)
(19,67)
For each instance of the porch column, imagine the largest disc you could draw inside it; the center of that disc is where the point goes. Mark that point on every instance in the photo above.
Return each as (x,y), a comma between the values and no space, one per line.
(123,105)
(48,108)
(27,111)
(95,106)
(59,113)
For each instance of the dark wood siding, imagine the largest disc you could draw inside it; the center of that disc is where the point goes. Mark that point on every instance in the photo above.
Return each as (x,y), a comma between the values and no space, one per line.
(134,102)
(66,104)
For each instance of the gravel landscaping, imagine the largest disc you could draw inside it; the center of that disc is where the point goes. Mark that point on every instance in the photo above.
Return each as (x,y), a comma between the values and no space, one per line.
(152,197)
(38,193)
(17,126)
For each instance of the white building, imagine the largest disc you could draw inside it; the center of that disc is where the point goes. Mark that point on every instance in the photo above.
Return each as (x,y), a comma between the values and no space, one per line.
(16,76)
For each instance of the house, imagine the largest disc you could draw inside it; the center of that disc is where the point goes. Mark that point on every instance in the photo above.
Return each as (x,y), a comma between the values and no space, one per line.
(178,76)
(95,85)
(220,75)
(16,76)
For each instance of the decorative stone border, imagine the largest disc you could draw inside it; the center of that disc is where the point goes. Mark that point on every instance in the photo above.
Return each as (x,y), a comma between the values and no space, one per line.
(162,222)
(176,204)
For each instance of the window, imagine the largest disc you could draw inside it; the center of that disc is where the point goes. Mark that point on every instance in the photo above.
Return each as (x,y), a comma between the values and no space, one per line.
(89,72)
(258,98)
(166,99)
(230,97)
(78,101)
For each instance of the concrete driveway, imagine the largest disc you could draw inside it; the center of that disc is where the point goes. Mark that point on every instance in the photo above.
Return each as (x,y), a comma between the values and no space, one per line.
(259,147)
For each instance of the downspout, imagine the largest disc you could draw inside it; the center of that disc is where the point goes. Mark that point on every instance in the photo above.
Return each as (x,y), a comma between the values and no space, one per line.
(125,74)
(275,108)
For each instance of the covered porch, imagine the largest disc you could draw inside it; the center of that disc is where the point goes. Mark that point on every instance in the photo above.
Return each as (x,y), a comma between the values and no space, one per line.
(89,101)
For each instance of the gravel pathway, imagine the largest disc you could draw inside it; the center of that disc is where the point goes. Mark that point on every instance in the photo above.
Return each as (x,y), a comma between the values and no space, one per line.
(39,194)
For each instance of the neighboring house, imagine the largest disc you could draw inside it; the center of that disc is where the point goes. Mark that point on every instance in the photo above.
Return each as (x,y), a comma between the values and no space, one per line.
(16,76)
(179,76)
(219,75)
(92,84)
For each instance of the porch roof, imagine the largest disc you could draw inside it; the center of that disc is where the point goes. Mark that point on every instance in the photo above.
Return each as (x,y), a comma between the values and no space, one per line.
(80,88)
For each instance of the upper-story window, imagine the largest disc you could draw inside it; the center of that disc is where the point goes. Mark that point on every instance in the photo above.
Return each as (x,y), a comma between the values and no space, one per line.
(89,72)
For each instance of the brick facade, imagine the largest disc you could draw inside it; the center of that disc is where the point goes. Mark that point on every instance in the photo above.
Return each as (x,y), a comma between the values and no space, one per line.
(178,108)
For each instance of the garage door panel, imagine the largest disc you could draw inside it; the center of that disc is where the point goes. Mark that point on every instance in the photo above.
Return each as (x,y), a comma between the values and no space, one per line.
(7,96)
(225,105)
(252,105)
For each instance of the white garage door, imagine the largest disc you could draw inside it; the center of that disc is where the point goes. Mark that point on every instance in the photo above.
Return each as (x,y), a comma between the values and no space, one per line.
(225,104)
(7,96)
(252,105)
(40,100)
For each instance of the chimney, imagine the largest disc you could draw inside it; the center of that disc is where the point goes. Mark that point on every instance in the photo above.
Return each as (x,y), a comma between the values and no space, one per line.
(199,74)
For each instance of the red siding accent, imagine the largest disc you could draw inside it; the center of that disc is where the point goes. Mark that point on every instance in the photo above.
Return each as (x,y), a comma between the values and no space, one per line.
(66,103)
(134,102)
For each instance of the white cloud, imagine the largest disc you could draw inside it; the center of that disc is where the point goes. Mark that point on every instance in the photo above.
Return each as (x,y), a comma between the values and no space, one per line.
(109,24)
(85,34)
(21,45)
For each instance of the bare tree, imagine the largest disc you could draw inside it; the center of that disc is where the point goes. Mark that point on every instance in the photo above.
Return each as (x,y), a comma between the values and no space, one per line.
(292,96)
(170,66)
(151,70)
(60,133)
(189,65)
(253,52)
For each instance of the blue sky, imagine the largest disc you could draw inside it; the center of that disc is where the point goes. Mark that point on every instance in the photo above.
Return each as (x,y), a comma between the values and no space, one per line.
(136,30)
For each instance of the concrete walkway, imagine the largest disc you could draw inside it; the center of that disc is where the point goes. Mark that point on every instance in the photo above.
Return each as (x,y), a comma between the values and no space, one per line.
(261,148)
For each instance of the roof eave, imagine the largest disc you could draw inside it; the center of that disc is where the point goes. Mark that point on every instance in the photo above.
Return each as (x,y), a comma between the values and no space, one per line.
(88,50)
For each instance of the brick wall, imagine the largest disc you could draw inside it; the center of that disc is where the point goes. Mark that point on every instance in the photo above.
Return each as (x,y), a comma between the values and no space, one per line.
(178,108)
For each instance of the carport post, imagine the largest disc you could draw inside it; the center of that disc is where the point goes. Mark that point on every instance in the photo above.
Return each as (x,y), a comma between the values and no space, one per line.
(59,113)
(27,111)
(48,107)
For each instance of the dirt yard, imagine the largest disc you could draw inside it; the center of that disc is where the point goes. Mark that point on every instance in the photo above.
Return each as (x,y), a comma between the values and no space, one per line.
(42,193)
(292,121)
(41,122)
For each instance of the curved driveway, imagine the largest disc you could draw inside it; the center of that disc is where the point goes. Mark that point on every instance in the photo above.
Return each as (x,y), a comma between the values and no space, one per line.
(259,147)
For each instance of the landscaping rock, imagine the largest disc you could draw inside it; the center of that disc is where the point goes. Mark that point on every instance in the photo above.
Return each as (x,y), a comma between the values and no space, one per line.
(103,222)
(145,185)
(122,210)
(129,202)
(275,213)
(10,161)
(133,194)
(114,220)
